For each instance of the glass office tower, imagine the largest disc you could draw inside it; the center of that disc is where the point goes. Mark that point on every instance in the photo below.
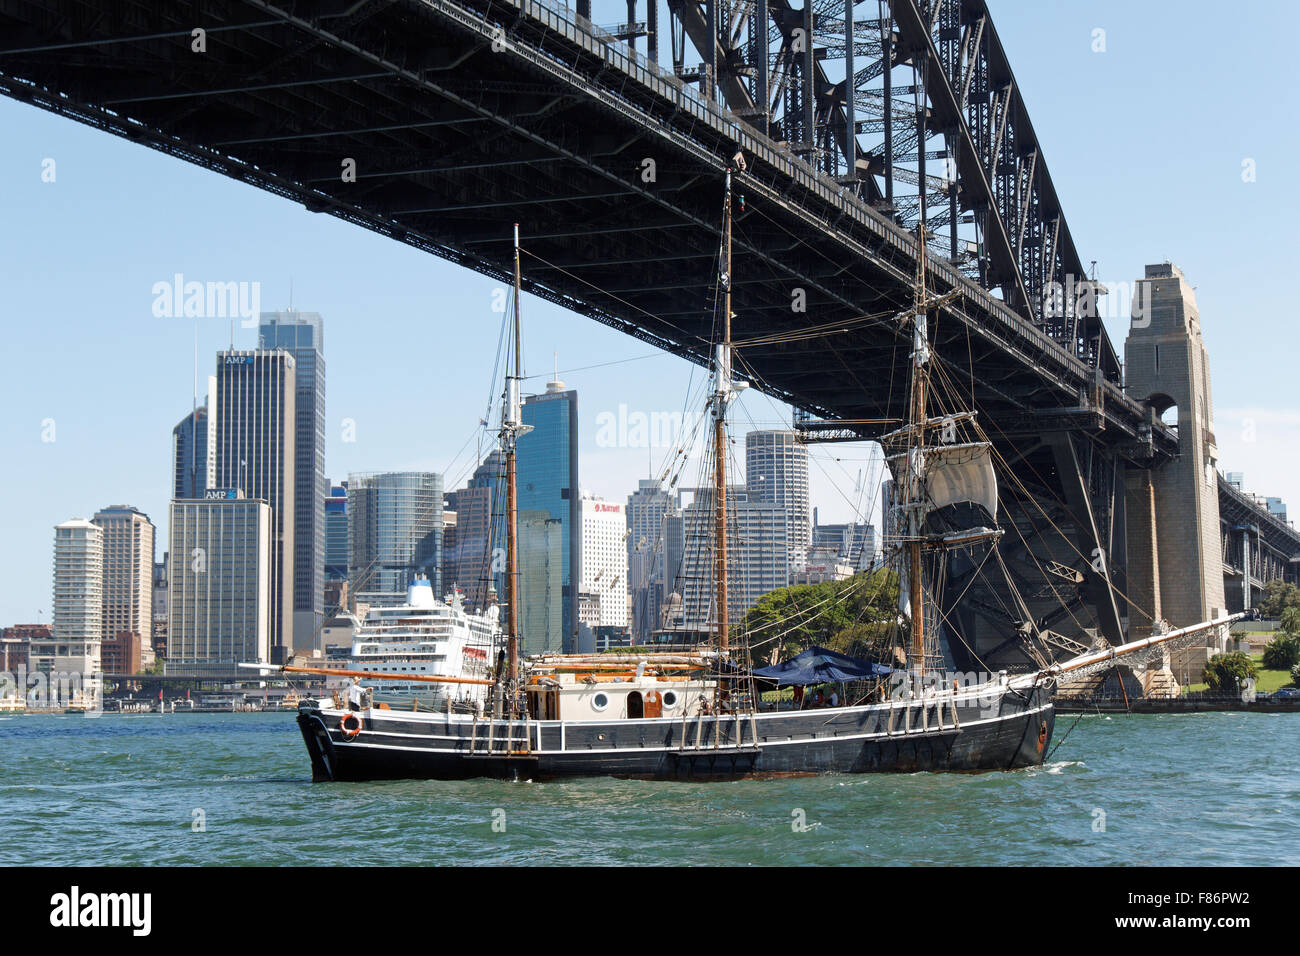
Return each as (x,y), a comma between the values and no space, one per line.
(548,482)
(395,530)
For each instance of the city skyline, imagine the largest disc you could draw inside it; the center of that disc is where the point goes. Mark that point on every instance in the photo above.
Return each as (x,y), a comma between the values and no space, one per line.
(376,292)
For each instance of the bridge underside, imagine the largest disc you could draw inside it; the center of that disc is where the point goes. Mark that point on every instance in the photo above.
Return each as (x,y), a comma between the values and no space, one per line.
(614,172)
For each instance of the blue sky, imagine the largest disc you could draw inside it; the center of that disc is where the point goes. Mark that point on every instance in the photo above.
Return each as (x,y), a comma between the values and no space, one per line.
(1145,142)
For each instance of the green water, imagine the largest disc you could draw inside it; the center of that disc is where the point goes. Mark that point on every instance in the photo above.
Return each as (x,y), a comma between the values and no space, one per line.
(1210,789)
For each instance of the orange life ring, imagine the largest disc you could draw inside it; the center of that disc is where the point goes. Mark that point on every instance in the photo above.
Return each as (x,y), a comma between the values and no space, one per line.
(1042,736)
(350,732)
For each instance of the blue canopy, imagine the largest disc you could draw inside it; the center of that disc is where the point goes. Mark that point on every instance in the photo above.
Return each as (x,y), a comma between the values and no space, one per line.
(817,665)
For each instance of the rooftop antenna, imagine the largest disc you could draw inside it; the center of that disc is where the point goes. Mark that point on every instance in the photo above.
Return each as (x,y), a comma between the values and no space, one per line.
(290,293)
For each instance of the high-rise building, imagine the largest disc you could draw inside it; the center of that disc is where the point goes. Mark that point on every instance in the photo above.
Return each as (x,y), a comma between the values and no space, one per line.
(336,533)
(758,551)
(646,555)
(302,334)
(548,481)
(541,589)
(776,472)
(128,537)
(604,562)
(194,451)
(75,644)
(469,563)
(395,530)
(256,413)
(221,600)
(158,635)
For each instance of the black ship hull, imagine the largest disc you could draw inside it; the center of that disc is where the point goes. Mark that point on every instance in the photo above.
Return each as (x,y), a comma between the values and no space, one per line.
(1010,731)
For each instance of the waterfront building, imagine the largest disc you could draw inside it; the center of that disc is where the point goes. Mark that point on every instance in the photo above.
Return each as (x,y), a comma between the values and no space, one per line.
(16,645)
(758,555)
(302,334)
(221,594)
(854,543)
(256,411)
(75,645)
(603,581)
(548,481)
(821,565)
(776,472)
(395,531)
(128,540)
(468,561)
(127,652)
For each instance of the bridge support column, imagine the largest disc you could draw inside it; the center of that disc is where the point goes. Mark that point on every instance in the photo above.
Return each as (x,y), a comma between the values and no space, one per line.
(1166,365)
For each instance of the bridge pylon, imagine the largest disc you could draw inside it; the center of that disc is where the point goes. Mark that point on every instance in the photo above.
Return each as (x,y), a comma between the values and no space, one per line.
(1175,563)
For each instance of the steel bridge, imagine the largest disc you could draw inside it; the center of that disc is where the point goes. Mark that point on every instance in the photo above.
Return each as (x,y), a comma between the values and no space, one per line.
(856,121)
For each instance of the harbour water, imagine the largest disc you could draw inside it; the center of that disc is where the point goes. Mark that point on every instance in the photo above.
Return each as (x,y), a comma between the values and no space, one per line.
(213,789)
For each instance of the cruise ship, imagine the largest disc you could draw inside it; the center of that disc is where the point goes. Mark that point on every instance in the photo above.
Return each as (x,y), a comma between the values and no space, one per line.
(426,637)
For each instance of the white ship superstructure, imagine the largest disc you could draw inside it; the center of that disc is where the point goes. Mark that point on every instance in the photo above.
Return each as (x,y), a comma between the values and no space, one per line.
(426,637)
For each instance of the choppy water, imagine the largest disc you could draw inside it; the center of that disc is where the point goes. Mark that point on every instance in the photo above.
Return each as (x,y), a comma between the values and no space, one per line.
(1205,789)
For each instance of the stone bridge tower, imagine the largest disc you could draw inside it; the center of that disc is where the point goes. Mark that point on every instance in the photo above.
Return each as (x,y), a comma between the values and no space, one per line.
(1175,561)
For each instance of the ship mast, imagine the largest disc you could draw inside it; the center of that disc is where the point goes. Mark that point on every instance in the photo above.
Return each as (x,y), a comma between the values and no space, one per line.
(722,394)
(512,427)
(915,500)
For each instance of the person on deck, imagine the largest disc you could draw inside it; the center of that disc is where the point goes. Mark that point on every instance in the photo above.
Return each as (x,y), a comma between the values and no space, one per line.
(356,694)
(798,697)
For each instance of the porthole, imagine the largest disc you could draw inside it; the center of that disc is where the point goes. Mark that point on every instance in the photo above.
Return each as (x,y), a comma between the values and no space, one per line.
(670,698)
(600,701)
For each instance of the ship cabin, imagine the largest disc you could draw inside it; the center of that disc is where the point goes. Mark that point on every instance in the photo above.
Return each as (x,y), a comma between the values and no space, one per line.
(598,697)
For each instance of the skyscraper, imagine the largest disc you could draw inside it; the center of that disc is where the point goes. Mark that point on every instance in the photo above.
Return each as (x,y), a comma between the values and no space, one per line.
(548,481)
(194,450)
(256,426)
(646,556)
(776,472)
(128,537)
(220,585)
(302,334)
(758,556)
(479,531)
(395,530)
(336,533)
(604,562)
(75,643)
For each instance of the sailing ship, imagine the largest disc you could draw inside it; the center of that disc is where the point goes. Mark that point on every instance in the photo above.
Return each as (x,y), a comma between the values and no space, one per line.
(694,712)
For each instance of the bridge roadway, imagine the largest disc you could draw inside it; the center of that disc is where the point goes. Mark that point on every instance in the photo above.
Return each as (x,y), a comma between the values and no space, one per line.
(465,116)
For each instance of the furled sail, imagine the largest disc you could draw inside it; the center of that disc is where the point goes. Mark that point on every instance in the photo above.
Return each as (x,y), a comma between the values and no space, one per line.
(957,474)
(951,474)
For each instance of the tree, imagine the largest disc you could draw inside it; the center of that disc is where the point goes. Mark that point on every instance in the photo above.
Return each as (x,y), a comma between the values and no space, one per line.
(1225,673)
(1291,621)
(1282,653)
(1278,596)
(854,616)
(1295,676)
